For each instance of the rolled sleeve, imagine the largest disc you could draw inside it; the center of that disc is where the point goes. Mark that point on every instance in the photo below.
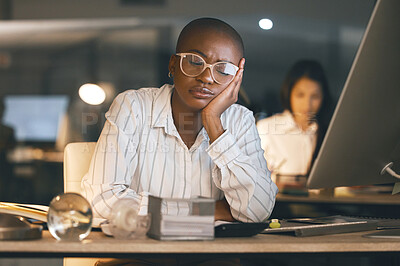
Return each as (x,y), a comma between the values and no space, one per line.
(223,150)
(241,171)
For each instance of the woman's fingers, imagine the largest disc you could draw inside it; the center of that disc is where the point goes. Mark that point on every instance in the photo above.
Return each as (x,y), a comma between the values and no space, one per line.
(229,96)
(234,86)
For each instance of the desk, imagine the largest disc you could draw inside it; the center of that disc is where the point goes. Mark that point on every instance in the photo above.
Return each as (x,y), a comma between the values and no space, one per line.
(98,245)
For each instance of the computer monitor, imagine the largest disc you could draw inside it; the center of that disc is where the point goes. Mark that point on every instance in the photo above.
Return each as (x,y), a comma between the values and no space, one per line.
(364,133)
(35,118)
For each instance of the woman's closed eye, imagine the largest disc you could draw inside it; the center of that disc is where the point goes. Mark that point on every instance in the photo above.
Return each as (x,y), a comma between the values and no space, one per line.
(222,73)
(224,69)
(196,62)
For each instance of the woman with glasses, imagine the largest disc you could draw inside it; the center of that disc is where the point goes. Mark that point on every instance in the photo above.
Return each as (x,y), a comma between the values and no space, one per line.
(188,139)
(292,139)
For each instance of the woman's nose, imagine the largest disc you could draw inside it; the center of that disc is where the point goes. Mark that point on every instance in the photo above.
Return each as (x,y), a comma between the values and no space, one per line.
(310,104)
(206,76)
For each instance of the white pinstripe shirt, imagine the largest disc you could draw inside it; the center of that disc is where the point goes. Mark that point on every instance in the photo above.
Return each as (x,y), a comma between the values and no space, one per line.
(140,150)
(287,147)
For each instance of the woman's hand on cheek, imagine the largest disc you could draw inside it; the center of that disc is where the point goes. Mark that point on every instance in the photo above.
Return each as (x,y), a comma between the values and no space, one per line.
(210,115)
(227,97)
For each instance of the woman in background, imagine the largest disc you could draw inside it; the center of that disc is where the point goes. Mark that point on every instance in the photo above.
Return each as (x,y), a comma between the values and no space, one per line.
(291,139)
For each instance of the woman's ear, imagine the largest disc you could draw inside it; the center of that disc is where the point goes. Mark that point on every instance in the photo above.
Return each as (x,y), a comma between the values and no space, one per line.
(172,64)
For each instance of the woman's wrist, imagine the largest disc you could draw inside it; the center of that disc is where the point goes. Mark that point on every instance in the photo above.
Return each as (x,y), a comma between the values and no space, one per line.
(212,124)
(223,211)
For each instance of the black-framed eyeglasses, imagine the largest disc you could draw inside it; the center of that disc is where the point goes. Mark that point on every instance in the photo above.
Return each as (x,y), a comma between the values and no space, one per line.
(193,65)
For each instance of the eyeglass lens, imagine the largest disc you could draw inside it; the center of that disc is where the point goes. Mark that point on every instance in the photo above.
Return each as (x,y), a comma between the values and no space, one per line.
(193,65)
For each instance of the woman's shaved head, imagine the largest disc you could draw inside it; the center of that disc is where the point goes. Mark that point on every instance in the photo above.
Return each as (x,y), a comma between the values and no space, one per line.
(209,24)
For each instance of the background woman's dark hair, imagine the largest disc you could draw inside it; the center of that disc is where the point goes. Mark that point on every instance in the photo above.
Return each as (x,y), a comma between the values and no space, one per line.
(2,108)
(313,70)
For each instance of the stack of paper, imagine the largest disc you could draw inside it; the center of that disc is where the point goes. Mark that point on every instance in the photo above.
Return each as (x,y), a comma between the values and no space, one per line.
(181,219)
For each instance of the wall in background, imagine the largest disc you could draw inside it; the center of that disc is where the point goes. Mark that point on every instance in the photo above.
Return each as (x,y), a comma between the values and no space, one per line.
(54,47)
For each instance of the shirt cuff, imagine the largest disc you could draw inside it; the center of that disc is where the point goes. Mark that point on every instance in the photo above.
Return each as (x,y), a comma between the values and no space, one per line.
(223,150)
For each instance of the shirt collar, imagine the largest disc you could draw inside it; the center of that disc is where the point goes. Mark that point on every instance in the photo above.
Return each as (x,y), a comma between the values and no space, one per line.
(291,125)
(161,113)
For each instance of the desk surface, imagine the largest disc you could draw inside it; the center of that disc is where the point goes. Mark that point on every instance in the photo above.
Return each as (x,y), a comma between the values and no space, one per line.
(99,245)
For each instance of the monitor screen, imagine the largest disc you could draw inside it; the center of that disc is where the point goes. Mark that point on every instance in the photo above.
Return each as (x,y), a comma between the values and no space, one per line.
(35,118)
(364,133)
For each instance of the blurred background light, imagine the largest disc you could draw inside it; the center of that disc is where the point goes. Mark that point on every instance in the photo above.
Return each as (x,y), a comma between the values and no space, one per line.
(92,94)
(265,24)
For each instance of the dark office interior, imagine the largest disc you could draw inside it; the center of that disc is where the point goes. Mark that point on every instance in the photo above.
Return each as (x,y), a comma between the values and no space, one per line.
(48,49)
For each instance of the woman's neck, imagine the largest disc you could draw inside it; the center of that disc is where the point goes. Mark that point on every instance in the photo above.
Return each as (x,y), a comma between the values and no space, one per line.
(188,122)
(302,122)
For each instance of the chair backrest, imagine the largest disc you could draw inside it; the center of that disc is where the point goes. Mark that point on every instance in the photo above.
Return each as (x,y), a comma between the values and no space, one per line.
(77,158)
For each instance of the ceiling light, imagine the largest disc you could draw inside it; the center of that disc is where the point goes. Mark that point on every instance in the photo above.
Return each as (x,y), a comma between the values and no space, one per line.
(92,94)
(265,24)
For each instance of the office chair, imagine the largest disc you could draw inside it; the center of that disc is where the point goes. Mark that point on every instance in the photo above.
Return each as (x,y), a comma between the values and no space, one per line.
(77,158)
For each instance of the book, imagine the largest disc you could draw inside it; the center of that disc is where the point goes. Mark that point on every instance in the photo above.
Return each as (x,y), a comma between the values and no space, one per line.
(32,211)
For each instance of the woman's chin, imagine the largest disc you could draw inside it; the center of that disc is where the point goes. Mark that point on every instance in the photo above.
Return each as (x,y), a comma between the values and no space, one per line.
(198,104)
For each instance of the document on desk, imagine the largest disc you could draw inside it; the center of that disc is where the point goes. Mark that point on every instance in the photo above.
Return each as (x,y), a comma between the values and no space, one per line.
(325,226)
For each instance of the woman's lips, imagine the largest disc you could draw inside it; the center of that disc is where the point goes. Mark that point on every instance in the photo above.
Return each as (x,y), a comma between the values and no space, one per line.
(202,93)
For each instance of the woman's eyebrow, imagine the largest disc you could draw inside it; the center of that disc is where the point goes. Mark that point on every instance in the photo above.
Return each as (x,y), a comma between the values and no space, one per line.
(205,56)
(199,52)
